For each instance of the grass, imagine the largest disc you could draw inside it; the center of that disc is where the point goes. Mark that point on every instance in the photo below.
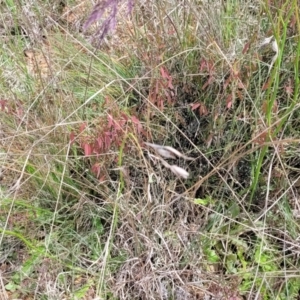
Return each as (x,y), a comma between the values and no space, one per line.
(89,211)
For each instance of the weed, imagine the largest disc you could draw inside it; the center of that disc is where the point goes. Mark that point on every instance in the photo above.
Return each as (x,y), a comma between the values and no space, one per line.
(149,151)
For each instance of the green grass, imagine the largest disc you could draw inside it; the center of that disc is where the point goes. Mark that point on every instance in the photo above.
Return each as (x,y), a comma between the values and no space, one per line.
(88,211)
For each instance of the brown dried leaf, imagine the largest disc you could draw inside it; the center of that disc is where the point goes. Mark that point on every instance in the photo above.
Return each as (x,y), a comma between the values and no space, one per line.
(180,172)
(163,150)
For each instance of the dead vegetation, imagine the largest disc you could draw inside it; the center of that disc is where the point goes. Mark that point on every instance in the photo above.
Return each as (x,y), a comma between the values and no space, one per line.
(162,163)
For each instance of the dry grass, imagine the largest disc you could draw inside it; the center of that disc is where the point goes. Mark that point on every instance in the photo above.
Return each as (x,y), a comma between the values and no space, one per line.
(91,210)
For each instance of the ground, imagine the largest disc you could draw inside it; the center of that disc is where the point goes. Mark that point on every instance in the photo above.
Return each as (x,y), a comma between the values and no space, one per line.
(154,159)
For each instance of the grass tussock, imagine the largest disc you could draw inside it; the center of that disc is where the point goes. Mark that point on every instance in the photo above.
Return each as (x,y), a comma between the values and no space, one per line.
(149,150)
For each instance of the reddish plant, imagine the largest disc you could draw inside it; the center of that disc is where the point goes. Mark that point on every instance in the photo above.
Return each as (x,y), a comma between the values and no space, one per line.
(12,108)
(108,134)
(207,66)
(201,107)
(162,90)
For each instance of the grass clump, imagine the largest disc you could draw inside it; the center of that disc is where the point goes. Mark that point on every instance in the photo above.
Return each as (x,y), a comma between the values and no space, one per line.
(150,151)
